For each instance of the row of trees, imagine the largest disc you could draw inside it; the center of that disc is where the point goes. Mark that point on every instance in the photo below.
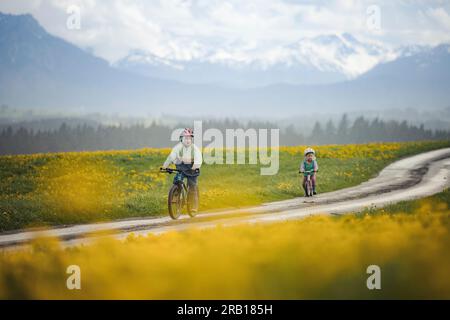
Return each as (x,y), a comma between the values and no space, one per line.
(363,130)
(86,137)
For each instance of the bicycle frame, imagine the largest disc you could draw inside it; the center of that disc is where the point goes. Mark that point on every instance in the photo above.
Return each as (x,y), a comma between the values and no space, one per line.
(184,190)
(184,187)
(308,184)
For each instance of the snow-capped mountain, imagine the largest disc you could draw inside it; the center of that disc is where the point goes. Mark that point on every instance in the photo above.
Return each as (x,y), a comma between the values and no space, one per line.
(38,70)
(319,60)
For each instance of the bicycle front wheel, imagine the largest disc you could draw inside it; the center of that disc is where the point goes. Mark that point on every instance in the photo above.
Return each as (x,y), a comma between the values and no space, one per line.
(175,202)
(309,190)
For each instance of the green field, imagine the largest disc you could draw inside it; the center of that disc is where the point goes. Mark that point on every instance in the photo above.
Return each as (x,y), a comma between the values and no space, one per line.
(69,188)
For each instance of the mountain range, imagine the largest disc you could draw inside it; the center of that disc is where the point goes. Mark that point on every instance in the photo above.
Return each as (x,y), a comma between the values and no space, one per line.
(318,60)
(41,71)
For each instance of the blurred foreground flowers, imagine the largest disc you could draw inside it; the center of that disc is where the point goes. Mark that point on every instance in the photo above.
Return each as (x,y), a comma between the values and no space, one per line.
(318,257)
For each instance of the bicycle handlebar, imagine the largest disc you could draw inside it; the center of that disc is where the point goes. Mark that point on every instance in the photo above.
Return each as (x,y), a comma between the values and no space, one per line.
(170,171)
(309,171)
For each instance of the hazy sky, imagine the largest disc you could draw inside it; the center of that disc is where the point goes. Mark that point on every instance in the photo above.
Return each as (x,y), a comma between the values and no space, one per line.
(234,30)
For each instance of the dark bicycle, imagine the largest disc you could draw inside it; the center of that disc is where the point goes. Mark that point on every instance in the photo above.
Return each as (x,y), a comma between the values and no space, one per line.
(178,197)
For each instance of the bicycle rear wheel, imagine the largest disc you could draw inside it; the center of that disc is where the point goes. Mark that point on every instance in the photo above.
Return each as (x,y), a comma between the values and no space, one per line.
(175,203)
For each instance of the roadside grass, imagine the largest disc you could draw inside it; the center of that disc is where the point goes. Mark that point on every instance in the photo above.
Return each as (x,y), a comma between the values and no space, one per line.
(69,188)
(320,257)
(442,198)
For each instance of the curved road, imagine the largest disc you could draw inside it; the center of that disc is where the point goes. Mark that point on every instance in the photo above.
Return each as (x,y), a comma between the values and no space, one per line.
(410,178)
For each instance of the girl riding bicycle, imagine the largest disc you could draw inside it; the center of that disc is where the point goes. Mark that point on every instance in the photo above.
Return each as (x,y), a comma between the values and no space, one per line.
(187,157)
(309,167)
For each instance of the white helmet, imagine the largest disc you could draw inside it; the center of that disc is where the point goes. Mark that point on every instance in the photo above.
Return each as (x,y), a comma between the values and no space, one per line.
(309,150)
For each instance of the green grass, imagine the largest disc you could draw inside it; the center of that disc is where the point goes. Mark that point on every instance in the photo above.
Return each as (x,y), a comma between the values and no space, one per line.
(410,206)
(70,188)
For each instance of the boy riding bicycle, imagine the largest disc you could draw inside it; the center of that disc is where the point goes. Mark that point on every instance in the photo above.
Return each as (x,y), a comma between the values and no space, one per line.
(187,158)
(309,167)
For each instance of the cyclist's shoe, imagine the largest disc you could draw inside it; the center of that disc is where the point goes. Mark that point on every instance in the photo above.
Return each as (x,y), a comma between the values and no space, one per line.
(314,192)
(194,210)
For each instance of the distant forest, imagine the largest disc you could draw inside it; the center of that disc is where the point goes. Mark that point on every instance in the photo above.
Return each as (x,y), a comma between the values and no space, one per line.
(85,137)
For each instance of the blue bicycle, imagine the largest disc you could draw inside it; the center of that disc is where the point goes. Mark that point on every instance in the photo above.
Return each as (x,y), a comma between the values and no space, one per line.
(178,197)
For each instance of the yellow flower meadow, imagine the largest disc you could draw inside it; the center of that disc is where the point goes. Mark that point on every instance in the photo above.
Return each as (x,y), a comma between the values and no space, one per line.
(79,187)
(318,257)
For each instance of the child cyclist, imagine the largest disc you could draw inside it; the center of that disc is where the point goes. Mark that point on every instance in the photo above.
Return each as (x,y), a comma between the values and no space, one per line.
(309,166)
(187,157)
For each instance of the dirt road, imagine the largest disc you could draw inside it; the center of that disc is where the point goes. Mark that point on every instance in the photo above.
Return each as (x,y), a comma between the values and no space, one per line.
(411,178)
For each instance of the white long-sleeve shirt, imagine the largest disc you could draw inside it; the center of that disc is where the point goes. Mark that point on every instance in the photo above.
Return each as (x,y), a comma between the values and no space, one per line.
(182,154)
